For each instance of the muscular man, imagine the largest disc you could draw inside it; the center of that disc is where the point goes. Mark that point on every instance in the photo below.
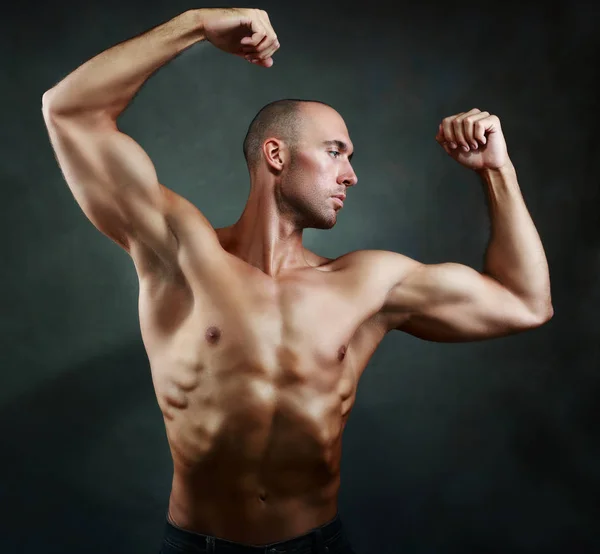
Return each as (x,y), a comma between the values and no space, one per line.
(256,344)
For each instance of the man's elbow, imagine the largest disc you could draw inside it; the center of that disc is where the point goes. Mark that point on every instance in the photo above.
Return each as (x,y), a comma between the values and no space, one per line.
(49,103)
(539,316)
(549,313)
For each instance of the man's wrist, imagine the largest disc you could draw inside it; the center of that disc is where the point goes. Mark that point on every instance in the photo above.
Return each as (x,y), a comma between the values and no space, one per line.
(507,170)
(196,22)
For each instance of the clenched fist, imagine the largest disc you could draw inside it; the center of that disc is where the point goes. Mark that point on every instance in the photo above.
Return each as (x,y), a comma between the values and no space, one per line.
(474,139)
(244,32)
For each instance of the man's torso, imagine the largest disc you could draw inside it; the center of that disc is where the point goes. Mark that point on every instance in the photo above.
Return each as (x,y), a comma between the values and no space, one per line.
(255,378)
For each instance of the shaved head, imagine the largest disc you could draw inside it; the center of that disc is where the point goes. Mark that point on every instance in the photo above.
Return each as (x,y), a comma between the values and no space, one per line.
(301,184)
(282,119)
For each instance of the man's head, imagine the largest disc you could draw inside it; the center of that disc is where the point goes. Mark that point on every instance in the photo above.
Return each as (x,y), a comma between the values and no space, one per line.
(302,149)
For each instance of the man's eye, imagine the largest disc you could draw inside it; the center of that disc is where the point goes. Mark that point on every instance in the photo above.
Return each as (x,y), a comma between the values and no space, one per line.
(334,152)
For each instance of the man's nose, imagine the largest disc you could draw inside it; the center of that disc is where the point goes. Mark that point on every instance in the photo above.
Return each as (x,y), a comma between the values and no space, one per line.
(349,178)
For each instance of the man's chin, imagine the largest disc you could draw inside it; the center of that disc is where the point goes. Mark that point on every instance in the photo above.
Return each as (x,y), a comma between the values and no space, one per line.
(323,220)
(325,224)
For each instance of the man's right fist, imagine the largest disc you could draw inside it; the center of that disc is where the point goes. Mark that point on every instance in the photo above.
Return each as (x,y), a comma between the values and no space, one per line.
(241,31)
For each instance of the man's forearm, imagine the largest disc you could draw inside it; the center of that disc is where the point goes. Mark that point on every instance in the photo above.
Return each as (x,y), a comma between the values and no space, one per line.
(109,81)
(515,256)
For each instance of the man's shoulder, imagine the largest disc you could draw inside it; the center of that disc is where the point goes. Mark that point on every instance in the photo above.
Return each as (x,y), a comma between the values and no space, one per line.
(372,261)
(367,277)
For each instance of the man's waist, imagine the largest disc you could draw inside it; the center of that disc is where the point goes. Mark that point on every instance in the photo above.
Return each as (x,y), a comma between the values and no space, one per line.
(252,520)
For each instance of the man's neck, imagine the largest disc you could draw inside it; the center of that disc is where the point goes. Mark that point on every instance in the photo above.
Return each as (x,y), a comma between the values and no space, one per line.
(267,240)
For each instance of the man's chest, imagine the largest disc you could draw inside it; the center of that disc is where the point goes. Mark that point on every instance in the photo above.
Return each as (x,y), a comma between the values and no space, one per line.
(290,327)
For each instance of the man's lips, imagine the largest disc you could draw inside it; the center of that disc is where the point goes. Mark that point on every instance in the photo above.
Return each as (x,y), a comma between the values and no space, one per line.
(340,198)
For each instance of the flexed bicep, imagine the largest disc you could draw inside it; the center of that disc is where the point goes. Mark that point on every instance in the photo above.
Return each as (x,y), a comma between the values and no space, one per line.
(113,180)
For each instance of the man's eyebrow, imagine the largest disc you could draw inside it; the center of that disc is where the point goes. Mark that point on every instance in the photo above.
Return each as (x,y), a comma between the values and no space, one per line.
(340,144)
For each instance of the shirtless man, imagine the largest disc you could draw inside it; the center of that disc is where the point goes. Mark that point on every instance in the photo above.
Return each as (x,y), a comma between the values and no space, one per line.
(256,344)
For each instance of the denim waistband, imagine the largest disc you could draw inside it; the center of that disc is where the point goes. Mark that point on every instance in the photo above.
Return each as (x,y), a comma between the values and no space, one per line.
(200,543)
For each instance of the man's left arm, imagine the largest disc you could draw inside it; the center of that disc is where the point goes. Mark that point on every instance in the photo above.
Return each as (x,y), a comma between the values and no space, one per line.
(451,302)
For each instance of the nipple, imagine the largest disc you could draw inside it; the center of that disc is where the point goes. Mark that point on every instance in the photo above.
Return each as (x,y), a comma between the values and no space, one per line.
(342,353)
(213,334)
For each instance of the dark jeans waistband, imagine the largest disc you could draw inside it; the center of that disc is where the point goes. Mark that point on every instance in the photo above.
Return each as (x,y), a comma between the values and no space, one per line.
(200,543)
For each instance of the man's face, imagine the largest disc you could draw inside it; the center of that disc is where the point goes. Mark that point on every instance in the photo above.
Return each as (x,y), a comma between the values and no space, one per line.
(319,169)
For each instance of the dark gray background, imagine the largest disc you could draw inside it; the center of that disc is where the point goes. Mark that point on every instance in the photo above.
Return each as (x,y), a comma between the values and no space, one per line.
(483,447)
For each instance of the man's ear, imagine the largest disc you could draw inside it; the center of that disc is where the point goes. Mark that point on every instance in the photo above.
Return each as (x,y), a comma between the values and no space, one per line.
(276,153)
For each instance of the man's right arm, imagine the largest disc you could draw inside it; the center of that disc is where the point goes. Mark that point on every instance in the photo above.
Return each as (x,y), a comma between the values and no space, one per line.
(111,177)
